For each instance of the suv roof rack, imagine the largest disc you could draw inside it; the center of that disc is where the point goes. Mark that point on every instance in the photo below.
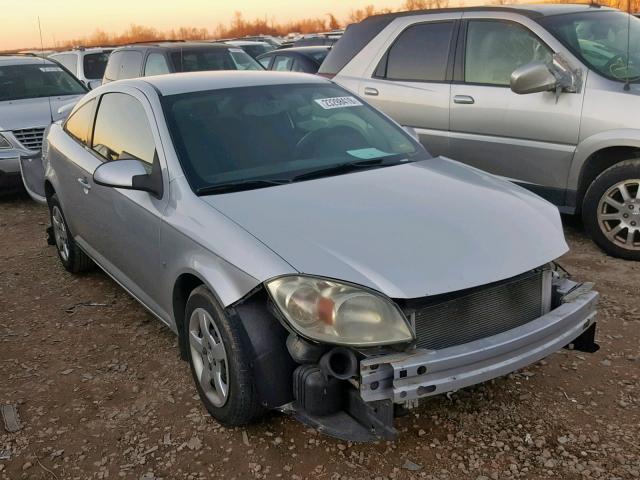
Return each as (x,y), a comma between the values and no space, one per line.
(152,42)
(18,54)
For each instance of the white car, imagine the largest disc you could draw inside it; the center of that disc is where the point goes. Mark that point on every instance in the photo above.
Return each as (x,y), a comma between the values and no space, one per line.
(87,64)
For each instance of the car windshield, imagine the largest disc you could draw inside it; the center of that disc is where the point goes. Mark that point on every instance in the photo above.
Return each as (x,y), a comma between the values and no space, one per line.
(277,133)
(213,59)
(37,80)
(607,42)
(95,64)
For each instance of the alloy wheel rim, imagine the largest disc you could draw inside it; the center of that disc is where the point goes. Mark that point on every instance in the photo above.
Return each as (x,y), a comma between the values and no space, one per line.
(619,214)
(209,357)
(60,233)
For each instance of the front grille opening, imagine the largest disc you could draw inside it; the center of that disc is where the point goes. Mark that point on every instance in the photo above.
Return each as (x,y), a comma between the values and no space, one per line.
(30,138)
(454,319)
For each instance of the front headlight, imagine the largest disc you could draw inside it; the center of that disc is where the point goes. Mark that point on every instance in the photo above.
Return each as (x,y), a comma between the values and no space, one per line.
(4,143)
(337,313)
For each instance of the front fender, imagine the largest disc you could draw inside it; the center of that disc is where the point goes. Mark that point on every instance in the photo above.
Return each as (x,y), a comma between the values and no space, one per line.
(623,137)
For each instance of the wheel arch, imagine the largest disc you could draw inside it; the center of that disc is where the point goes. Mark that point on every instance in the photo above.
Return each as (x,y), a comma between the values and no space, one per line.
(49,190)
(596,154)
(182,288)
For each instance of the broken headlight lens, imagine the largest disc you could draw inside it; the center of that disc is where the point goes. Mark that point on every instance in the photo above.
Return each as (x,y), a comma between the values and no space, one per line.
(338,313)
(4,143)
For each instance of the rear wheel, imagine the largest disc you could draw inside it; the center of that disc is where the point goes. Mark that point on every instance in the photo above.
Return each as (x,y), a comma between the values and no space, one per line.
(72,257)
(611,210)
(219,361)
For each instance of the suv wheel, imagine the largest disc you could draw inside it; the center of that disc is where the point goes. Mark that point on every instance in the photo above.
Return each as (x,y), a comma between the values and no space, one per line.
(72,257)
(611,210)
(218,356)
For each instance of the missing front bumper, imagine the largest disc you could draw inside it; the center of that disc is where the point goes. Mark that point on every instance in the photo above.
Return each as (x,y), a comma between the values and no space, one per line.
(409,376)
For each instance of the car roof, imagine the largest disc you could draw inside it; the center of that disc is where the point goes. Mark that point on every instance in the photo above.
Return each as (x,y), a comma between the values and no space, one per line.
(244,43)
(22,60)
(530,10)
(172,46)
(304,50)
(177,83)
(84,50)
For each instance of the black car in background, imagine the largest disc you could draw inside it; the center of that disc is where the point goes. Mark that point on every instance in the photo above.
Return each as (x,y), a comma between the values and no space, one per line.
(295,59)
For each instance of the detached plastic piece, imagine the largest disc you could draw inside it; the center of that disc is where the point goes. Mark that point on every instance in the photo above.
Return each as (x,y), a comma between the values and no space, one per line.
(315,393)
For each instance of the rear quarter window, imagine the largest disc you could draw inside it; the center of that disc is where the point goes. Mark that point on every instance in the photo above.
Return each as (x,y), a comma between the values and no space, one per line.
(420,53)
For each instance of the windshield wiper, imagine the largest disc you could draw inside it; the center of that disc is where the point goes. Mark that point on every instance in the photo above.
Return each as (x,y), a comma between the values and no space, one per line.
(345,168)
(238,186)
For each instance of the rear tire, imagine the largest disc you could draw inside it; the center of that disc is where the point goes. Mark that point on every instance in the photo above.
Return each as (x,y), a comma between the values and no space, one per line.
(218,356)
(611,210)
(73,259)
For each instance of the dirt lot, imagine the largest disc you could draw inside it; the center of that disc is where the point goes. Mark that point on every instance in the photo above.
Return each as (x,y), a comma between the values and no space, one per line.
(102,393)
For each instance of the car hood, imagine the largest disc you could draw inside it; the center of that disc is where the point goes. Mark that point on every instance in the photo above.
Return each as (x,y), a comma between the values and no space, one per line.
(410,230)
(33,112)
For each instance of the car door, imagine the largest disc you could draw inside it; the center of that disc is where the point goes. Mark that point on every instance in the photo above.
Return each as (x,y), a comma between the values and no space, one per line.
(125,224)
(411,82)
(73,163)
(528,138)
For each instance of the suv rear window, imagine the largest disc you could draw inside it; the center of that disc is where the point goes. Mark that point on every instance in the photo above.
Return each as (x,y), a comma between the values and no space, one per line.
(123,64)
(420,54)
(94,65)
(37,80)
(213,59)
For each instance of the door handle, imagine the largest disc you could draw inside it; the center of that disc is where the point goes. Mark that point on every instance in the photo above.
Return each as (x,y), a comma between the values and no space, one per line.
(371,91)
(85,185)
(464,100)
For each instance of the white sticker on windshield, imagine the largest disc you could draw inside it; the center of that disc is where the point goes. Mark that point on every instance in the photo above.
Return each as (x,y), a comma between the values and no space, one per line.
(368,153)
(236,50)
(338,102)
(50,69)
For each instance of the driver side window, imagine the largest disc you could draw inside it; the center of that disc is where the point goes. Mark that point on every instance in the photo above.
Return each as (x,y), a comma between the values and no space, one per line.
(122,129)
(494,49)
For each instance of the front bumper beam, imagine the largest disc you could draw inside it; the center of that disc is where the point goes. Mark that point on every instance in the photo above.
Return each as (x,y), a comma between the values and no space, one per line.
(409,376)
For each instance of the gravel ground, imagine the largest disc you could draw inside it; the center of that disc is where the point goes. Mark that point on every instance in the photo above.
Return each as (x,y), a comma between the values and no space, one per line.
(102,393)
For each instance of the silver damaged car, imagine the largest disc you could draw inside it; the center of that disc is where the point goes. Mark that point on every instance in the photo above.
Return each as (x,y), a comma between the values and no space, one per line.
(310,254)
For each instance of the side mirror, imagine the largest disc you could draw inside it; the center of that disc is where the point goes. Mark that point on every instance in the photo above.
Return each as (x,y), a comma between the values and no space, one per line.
(91,84)
(533,78)
(129,174)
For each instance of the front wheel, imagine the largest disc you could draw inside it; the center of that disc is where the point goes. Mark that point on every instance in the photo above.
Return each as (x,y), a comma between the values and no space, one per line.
(218,356)
(73,259)
(611,210)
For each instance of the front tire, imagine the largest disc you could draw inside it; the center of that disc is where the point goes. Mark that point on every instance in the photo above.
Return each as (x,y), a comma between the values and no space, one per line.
(218,356)
(73,259)
(611,210)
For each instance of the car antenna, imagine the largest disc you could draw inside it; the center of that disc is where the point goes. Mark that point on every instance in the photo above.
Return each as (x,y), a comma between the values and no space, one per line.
(44,63)
(627,83)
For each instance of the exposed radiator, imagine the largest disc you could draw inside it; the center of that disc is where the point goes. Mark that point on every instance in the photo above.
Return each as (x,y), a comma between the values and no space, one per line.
(481,312)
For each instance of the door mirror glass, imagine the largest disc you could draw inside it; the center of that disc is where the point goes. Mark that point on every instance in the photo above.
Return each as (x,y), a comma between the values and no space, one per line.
(121,174)
(533,78)
(94,83)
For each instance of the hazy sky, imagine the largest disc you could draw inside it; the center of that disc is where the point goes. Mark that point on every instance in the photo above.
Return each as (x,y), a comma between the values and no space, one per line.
(65,19)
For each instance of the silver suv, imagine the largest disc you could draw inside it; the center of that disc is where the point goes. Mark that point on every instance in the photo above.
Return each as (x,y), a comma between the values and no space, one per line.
(547,96)
(87,64)
(296,240)
(34,92)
